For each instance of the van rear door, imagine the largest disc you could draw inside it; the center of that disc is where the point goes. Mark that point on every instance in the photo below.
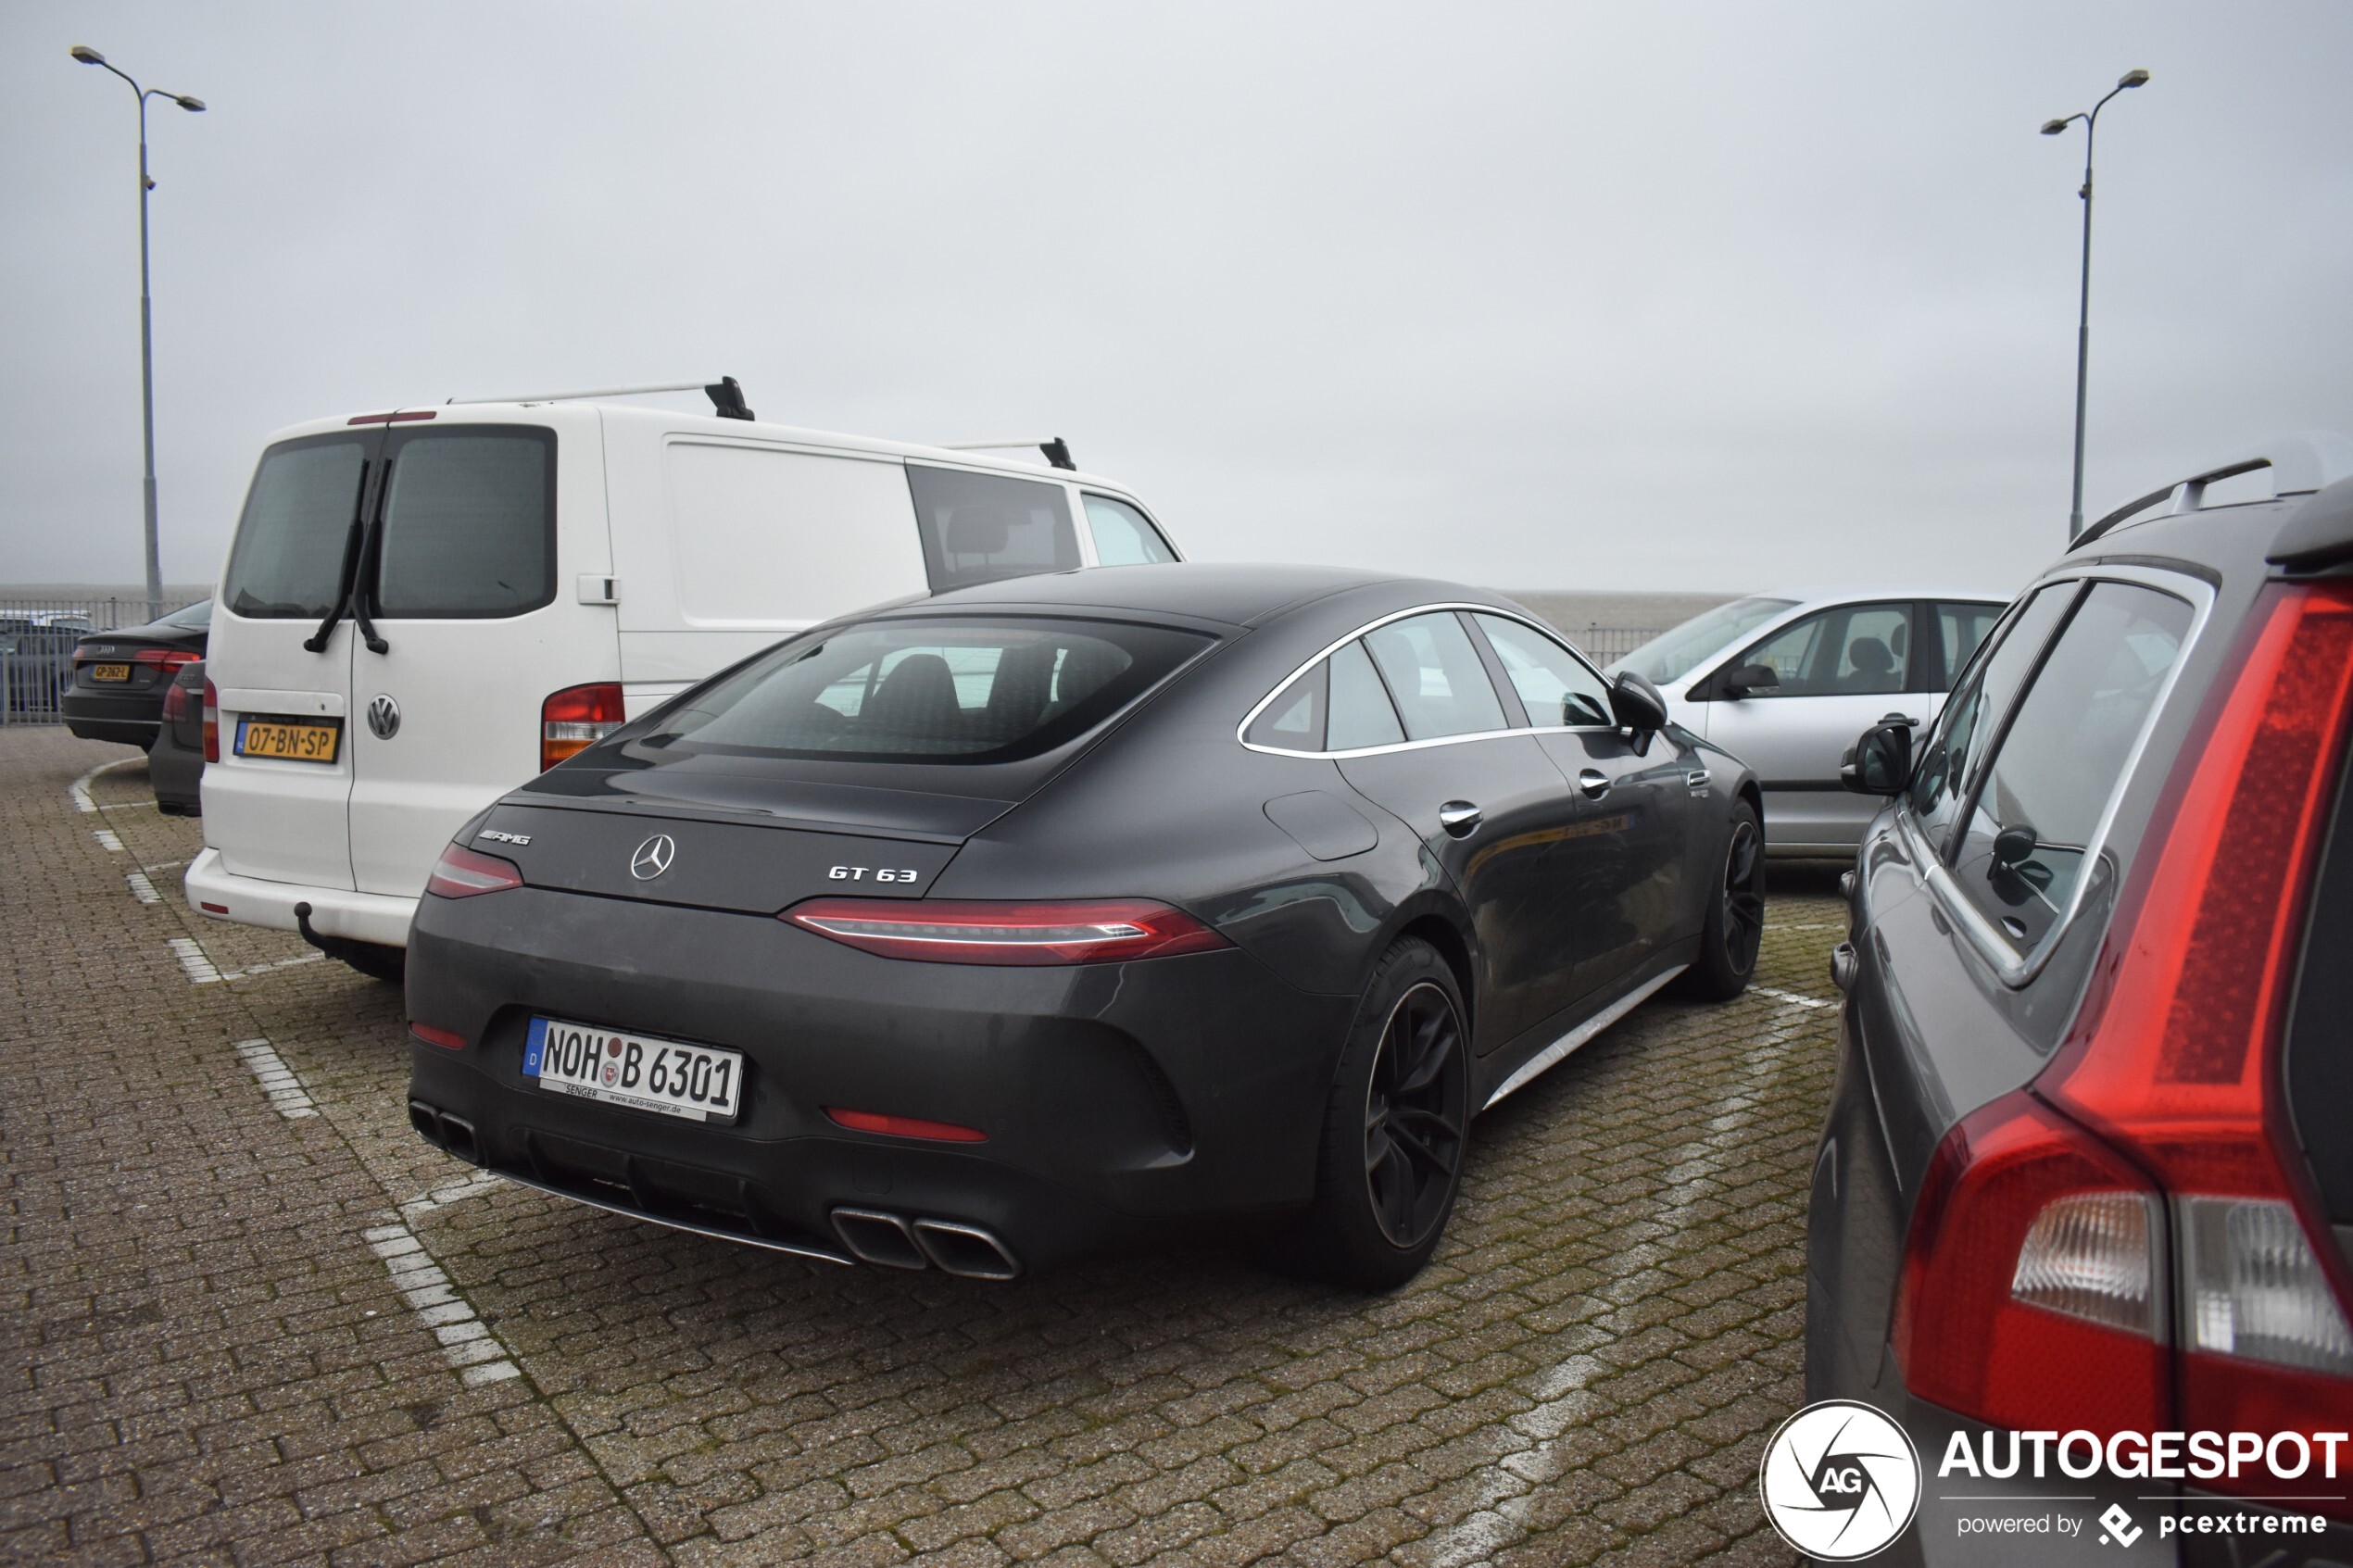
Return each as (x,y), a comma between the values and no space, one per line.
(283,817)
(489,521)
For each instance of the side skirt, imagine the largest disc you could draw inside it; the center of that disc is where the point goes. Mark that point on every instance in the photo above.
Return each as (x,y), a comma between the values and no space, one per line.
(1552,1055)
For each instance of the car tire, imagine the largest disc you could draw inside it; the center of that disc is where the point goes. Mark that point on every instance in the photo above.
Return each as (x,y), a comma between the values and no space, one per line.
(1395,1129)
(1735,928)
(376,960)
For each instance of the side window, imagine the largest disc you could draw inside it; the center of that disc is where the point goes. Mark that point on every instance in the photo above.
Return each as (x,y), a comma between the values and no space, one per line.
(2063,756)
(1554,685)
(1436,676)
(985,527)
(1960,627)
(1294,721)
(469,524)
(1360,710)
(1123,535)
(1957,744)
(1854,650)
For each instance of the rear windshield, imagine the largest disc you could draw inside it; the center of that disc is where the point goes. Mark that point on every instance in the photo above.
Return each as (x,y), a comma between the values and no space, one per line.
(985,527)
(288,557)
(952,690)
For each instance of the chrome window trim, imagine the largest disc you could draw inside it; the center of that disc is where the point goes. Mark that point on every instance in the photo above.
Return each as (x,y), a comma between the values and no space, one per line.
(2015,968)
(1241,731)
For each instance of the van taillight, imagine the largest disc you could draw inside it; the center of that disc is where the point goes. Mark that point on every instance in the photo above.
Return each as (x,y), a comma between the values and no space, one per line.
(2171,1081)
(576,718)
(211,724)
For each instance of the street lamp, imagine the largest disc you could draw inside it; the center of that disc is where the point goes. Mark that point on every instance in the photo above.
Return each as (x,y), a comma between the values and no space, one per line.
(90,57)
(2083,317)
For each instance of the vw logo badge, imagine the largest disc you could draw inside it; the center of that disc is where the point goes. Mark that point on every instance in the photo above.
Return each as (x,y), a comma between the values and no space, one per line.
(653,858)
(383,717)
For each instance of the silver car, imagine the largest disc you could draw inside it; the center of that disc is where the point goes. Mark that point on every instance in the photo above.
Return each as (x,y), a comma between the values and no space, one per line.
(1785,682)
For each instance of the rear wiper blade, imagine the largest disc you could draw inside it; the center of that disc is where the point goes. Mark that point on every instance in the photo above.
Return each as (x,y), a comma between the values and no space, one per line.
(317,641)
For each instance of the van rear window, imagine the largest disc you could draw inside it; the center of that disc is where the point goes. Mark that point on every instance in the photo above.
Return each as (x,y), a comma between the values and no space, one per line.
(288,559)
(985,527)
(469,525)
(963,690)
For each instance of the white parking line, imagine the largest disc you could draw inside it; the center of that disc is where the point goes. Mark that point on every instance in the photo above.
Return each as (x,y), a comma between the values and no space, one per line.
(442,1196)
(164,866)
(140,888)
(79,790)
(277,1080)
(466,1341)
(1792,997)
(108,840)
(201,969)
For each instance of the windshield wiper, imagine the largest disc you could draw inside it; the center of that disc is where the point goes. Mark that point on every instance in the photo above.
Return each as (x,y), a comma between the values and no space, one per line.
(317,641)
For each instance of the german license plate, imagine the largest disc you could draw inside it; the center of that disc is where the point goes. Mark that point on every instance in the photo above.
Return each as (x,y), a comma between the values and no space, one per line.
(288,742)
(110,672)
(700,1082)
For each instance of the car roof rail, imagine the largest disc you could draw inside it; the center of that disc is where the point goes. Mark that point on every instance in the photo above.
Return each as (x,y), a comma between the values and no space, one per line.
(2301,461)
(1057,450)
(726,397)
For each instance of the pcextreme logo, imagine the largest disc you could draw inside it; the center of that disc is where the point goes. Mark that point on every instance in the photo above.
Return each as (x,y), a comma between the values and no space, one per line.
(1839,1480)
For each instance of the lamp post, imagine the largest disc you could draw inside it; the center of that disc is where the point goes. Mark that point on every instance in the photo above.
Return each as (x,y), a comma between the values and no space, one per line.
(2083,314)
(90,57)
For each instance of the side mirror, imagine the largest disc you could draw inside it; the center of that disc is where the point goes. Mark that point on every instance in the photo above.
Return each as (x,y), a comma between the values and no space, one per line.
(1637,705)
(1748,679)
(1879,763)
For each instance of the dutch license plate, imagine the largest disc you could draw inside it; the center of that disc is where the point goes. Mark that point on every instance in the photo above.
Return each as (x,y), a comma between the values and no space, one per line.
(288,742)
(110,672)
(700,1082)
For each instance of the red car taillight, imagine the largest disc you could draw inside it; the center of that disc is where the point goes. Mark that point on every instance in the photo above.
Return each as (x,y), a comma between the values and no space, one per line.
(576,718)
(943,932)
(169,660)
(175,703)
(462,873)
(2163,1161)
(211,724)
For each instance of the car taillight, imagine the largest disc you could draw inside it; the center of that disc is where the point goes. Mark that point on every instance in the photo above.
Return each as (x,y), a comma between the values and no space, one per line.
(175,703)
(448,1039)
(904,1126)
(211,724)
(462,873)
(576,718)
(2030,1291)
(2172,1076)
(167,659)
(943,932)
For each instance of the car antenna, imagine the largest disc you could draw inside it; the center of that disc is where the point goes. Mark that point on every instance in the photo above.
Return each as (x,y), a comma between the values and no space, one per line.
(1057,450)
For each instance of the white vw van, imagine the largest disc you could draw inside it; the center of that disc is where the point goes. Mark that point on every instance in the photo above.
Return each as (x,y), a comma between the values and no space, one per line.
(423,607)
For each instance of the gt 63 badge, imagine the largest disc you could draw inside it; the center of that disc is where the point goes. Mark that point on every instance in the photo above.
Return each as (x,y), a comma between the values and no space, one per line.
(1839,1480)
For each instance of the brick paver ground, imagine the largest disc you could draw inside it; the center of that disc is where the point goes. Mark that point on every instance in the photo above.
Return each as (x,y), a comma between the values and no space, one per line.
(256,1319)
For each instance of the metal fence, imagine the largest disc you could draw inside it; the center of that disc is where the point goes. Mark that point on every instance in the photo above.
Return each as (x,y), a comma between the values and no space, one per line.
(36,647)
(1606,644)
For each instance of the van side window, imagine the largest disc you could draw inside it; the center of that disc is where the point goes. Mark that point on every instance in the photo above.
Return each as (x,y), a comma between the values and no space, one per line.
(2063,755)
(1554,685)
(1123,535)
(1957,744)
(985,527)
(288,560)
(1437,678)
(469,524)
(1294,721)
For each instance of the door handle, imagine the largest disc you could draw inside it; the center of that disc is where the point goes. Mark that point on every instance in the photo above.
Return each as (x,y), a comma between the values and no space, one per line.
(1903,719)
(1594,783)
(1459,818)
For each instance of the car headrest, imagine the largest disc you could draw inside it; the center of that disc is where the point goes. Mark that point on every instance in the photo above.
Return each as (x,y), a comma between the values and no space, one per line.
(1869,656)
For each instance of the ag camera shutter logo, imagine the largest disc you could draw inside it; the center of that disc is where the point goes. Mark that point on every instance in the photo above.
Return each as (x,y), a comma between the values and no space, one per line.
(1839,1480)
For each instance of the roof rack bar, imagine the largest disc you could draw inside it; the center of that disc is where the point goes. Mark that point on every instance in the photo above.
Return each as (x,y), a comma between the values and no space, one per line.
(1057,450)
(726,397)
(2300,461)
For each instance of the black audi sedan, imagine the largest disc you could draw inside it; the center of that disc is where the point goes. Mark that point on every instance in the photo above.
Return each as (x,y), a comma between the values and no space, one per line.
(2086,1169)
(1039,916)
(120,678)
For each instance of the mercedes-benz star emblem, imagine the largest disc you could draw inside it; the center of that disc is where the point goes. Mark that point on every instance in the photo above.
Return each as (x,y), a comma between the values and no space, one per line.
(653,858)
(383,717)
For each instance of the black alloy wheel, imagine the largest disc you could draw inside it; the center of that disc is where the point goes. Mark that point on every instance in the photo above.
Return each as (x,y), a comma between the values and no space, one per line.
(1414,1121)
(1735,927)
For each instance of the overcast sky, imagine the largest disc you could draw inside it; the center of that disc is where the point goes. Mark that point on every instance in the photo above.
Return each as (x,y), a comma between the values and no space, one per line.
(1659,296)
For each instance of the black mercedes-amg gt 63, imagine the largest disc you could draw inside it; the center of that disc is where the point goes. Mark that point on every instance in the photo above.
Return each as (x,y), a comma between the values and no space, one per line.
(1023,920)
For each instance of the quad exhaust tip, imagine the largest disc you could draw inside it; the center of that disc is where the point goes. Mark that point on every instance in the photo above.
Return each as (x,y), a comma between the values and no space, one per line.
(892,1241)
